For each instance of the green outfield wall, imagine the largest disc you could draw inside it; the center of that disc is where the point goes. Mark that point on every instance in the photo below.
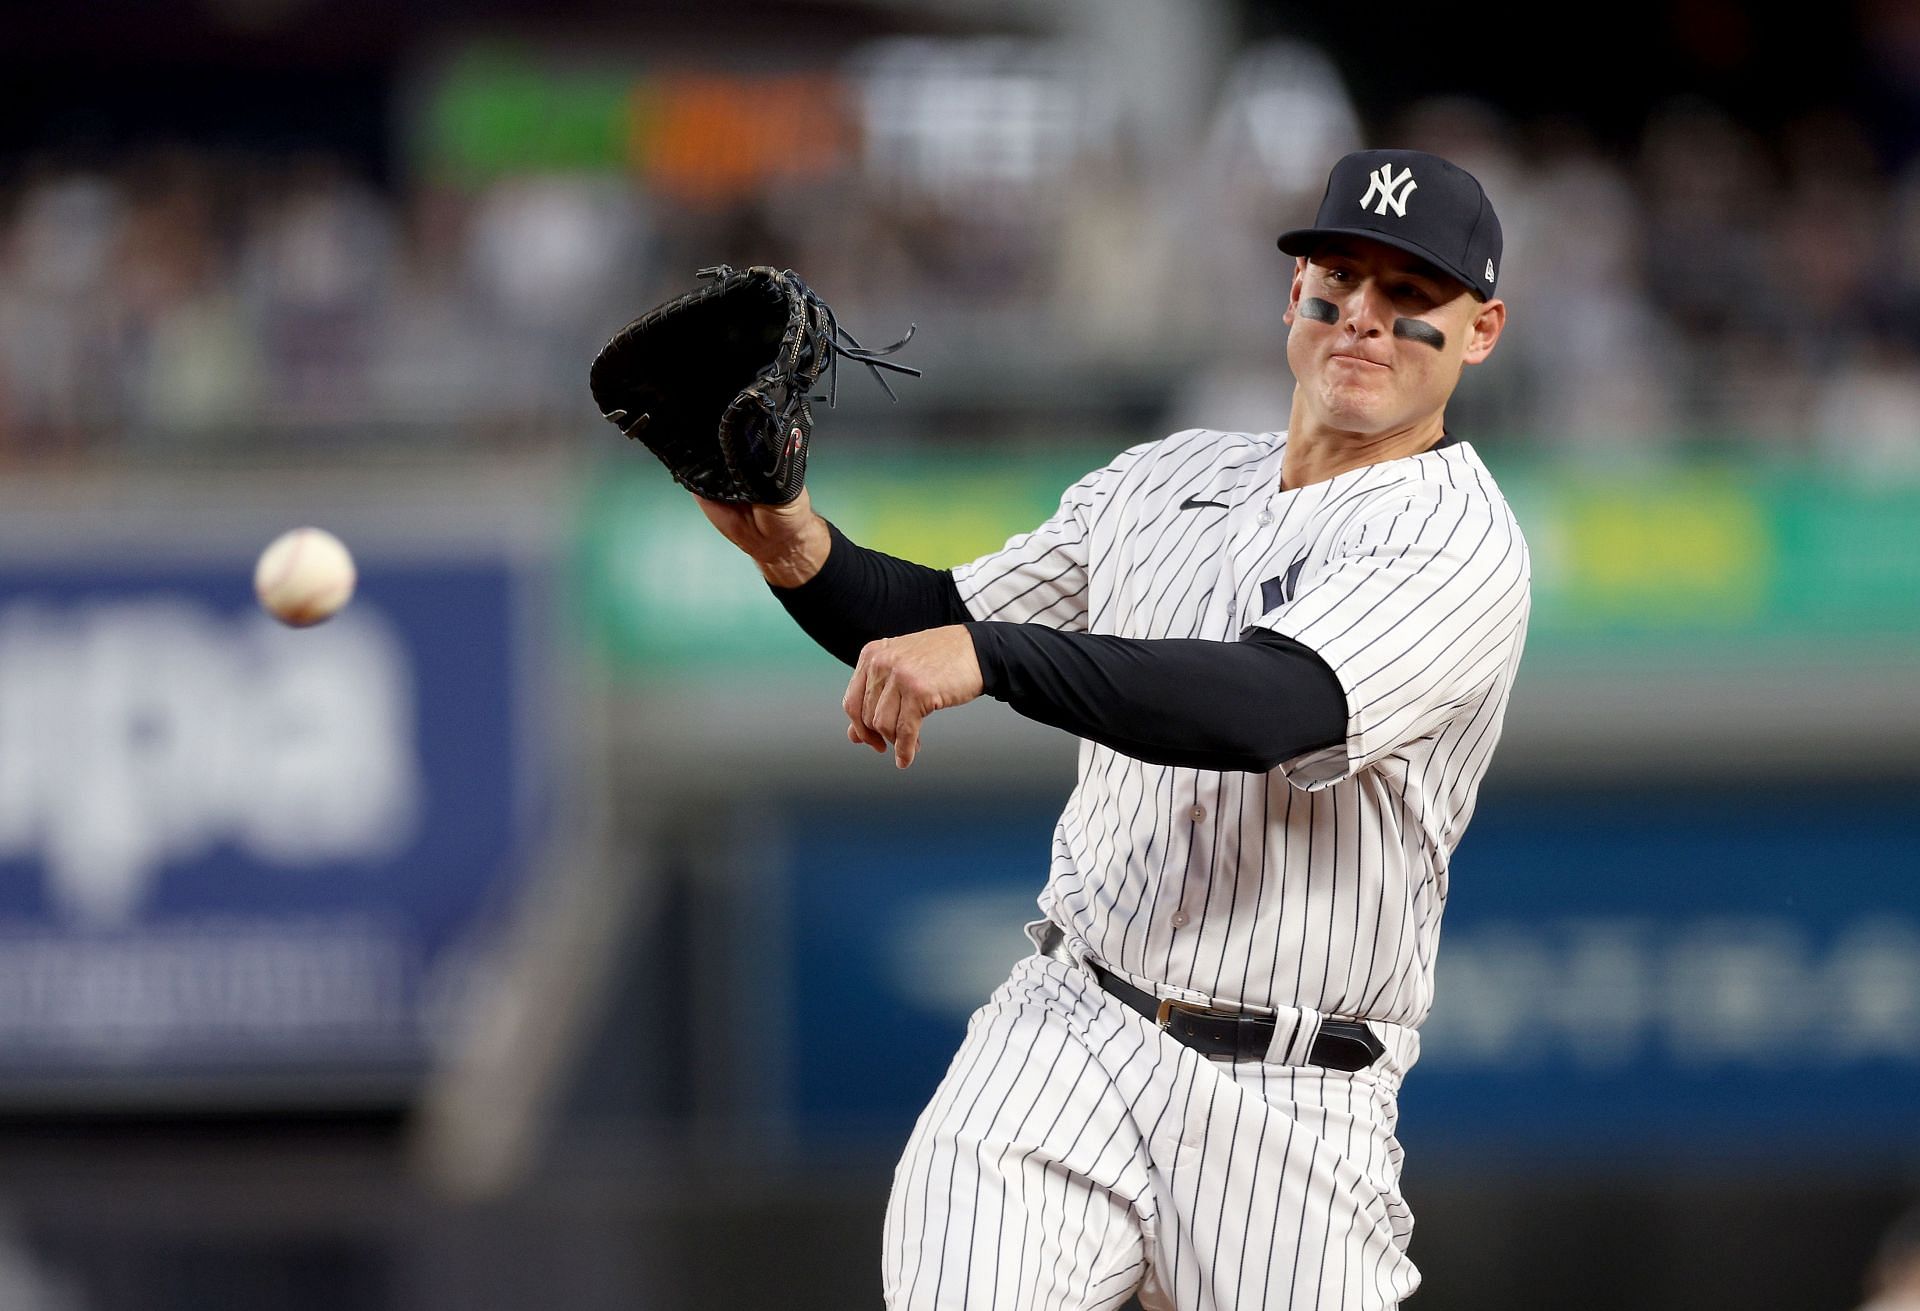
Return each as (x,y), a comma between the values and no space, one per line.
(1681,566)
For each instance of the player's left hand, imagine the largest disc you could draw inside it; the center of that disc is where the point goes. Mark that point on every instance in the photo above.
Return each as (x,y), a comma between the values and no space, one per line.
(899,681)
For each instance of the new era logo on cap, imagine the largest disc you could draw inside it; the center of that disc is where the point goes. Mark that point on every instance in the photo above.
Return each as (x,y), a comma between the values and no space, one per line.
(1451,225)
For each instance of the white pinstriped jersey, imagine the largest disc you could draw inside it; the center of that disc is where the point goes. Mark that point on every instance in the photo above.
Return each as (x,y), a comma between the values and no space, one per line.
(1321,884)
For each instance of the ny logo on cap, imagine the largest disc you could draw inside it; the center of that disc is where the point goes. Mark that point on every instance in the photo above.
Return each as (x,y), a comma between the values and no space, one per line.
(1391,190)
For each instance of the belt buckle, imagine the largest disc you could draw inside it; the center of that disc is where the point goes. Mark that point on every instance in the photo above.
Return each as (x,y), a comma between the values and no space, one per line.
(1168,1005)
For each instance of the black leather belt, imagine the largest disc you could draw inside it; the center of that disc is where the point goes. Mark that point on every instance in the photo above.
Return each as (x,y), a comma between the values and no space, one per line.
(1340,1045)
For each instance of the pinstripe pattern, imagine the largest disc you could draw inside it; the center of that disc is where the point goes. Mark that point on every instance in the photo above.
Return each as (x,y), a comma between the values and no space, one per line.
(1321,884)
(1074,1154)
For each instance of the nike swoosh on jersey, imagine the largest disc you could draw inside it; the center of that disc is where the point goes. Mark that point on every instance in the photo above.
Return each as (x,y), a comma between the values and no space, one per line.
(1194,503)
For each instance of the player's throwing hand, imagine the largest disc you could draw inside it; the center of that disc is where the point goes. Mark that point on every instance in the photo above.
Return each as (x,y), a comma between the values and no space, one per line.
(899,681)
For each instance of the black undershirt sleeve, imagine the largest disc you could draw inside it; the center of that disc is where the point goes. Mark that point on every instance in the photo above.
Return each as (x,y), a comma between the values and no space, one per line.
(1245,705)
(860,595)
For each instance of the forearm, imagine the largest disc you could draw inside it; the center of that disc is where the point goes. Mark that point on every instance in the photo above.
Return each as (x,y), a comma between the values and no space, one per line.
(852,596)
(1243,706)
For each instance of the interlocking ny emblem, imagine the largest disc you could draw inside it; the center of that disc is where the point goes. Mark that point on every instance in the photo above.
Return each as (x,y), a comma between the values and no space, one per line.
(1391,190)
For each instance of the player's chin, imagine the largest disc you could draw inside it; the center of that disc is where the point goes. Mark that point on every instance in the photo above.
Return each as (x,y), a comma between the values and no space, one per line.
(1358,408)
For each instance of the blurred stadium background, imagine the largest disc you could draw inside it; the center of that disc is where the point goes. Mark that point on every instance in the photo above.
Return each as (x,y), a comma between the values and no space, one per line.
(529,936)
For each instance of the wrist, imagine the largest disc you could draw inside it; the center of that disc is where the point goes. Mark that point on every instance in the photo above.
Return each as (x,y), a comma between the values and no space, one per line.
(797,559)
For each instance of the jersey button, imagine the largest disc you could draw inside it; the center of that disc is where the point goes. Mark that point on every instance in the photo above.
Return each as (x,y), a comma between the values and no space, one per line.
(1197,814)
(1179,919)
(1266,517)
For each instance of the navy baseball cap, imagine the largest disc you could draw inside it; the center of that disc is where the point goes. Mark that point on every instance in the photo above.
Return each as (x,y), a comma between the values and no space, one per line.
(1415,201)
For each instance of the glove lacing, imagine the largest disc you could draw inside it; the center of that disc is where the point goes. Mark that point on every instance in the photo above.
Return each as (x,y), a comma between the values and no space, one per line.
(869,356)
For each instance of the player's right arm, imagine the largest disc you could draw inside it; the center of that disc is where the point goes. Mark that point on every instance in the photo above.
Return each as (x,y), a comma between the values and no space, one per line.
(1211,705)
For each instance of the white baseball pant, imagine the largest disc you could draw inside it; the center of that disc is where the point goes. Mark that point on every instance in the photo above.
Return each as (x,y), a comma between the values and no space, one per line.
(1075,1155)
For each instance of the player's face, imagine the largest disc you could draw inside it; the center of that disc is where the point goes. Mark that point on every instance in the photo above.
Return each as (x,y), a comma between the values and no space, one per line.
(1378,337)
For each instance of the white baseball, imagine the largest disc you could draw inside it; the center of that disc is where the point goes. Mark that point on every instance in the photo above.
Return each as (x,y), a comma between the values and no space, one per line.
(304,576)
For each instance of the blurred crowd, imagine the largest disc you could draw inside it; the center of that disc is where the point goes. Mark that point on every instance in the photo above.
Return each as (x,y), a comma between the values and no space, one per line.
(1703,286)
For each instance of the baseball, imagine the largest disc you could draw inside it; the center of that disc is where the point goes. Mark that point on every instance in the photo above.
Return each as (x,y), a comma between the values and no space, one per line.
(304,576)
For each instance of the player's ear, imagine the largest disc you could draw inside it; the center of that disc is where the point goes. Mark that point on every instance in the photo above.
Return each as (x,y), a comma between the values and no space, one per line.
(1484,332)
(1293,293)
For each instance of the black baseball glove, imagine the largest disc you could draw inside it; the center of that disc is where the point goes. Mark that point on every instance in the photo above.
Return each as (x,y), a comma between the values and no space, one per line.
(716,382)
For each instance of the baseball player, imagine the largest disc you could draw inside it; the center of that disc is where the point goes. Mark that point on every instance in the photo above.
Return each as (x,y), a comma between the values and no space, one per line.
(1287,656)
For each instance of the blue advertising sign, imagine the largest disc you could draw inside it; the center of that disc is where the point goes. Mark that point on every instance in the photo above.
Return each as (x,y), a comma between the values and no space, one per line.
(906,918)
(1704,970)
(1620,974)
(233,849)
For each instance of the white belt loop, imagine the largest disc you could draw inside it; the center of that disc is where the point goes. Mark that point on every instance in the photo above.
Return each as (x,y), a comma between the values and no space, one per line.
(1293,1036)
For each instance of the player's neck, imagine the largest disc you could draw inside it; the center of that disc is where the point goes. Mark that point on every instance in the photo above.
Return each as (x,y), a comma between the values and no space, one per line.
(1317,452)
